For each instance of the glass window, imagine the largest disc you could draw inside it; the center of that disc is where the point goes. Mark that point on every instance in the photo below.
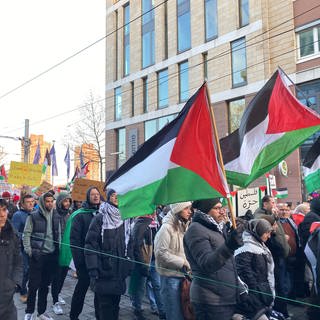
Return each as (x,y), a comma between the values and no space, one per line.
(306,43)
(205,65)
(118,103)
(236,109)
(243,12)
(151,127)
(145,94)
(163,89)
(121,152)
(126,40)
(132,98)
(184,28)
(239,62)
(183,81)
(148,55)
(211,20)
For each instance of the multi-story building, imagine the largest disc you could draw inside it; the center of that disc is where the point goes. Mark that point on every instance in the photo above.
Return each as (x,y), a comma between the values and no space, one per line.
(89,154)
(44,146)
(159,52)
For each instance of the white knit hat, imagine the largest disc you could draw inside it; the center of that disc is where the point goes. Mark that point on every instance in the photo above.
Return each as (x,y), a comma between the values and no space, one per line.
(177,207)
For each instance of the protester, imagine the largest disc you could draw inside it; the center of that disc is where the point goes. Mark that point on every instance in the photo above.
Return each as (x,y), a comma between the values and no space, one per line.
(255,267)
(299,212)
(76,205)
(108,254)
(19,221)
(76,230)
(10,265)
(143,239)
(209,248)
(63,205)
(11,207)
(41,239)
(171,262)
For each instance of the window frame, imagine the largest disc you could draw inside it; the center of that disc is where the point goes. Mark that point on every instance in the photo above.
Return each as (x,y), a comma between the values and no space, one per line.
(244,82)
(183,6)
(117,104)
(166,80)
(207,39)
(180,82)
(126,40)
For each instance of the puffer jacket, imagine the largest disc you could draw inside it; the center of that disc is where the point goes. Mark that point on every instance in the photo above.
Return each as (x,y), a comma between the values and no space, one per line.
(168,247)
(64,213)
(10,267)
(212,263)
(106,255)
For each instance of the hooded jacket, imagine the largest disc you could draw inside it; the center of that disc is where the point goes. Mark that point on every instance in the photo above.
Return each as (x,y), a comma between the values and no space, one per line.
(42,232)
(64,213)
(168,247)
(78,226)
(10,267)
(215,278)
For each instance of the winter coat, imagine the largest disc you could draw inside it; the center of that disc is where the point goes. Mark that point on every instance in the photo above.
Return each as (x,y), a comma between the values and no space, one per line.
(304,226)
(19,220)
(106,257)
(10,267)
(142,244)
(64,214)
(255,267)
(215,278)
(168,247)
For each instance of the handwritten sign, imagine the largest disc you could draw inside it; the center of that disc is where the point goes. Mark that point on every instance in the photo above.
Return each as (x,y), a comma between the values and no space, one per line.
(80,187)
(247,199)
(25,173)
(44,187)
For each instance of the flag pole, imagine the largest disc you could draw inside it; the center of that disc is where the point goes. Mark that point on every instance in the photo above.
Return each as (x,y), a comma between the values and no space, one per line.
(219,153)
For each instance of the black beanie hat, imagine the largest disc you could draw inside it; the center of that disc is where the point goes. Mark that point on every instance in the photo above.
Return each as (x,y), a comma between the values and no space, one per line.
(205,205)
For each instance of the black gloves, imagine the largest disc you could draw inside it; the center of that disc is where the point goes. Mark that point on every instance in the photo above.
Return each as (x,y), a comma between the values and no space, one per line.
(234,239)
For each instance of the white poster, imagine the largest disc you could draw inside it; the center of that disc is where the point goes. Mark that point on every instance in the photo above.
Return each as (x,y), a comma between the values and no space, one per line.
(247,199)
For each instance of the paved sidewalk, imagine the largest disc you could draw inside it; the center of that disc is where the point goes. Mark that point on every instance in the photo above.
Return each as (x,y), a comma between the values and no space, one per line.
(126,311)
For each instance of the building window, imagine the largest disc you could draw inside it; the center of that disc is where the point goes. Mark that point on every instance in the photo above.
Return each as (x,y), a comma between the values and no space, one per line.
(211,19)
(183,81)
(145,94)
(151,127)
(126,40)
(205,65)
(147,33)
(243,13)
(166,30)
(309,42)
(117,58)
(184,27)
(121,147)
(117,103)
(239,62)
(163,89)
(132,98)
(236,109)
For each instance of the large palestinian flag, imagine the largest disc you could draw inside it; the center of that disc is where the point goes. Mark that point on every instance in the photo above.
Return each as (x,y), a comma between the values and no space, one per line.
(273,125)
(311,167)
(177,164)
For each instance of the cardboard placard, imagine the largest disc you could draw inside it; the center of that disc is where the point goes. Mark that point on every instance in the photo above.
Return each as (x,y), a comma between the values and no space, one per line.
(44,187)
(25,173)
(80,187)
(248,199)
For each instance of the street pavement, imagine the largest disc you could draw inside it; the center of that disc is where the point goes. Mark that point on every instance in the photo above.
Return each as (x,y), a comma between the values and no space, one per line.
(126,311)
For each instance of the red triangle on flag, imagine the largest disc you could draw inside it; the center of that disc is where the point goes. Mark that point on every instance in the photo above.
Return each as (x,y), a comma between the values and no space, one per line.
(194,148)
(286,113)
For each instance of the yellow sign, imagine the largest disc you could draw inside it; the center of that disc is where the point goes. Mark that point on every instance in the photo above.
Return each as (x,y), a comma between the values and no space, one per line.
(25,173)
(80,187)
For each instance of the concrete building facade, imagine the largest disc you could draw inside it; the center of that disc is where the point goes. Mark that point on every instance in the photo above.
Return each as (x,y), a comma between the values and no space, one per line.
(159,52)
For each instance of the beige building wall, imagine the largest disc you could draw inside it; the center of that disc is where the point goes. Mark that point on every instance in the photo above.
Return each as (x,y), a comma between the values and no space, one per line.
(270,42)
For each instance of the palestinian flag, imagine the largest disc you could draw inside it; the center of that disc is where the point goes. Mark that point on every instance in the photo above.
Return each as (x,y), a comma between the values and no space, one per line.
(177,164)
(273,125)
(311,167)
(280,193)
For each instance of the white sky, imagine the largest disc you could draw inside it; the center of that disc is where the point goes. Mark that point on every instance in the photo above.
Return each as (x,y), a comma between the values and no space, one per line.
(34,36)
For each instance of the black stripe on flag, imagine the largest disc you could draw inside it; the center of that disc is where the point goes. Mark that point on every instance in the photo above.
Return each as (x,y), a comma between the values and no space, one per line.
(167,133)
(312,154)
(254,114)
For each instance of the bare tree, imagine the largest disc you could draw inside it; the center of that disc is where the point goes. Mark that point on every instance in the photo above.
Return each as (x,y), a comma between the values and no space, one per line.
(90,129)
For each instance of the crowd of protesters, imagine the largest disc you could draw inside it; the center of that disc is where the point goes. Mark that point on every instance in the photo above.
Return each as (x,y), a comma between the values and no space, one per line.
(187,258)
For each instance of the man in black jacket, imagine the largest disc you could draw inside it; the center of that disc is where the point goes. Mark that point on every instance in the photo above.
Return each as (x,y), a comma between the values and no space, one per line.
(41,238)
(10,264)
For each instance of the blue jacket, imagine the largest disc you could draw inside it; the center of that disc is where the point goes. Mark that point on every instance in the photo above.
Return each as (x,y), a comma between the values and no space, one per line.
(19,220)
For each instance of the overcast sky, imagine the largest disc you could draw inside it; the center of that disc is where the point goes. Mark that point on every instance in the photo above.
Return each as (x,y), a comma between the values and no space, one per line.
(36,35)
